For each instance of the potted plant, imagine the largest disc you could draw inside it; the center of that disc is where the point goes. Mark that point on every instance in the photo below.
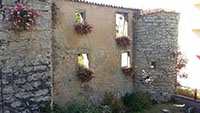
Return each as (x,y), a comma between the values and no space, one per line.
(129,71)
(83,28)
(23,17)
(85,74)
(124,40)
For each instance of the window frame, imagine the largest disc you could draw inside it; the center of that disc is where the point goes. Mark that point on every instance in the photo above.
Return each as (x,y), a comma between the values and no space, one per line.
(125,15)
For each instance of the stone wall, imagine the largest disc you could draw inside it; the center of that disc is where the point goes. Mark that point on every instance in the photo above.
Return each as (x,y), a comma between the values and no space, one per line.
(31,60)
(155,34)
(25,63)
(100,45)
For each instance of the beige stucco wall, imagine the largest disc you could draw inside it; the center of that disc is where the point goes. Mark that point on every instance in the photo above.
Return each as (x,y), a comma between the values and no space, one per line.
(101,47)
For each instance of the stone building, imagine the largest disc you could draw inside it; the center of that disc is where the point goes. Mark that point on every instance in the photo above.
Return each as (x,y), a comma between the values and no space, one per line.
(40,66)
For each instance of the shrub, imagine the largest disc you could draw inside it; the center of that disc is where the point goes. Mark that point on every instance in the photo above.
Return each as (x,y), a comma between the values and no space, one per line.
(73,106)
(22,16)
(85,74)
(124,40)
(136,101)
(48,109)
(83,28)
(115,104)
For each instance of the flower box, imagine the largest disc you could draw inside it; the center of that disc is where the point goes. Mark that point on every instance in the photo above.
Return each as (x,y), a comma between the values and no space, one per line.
(124,40)
(85,74)
(83,28)
(129,71)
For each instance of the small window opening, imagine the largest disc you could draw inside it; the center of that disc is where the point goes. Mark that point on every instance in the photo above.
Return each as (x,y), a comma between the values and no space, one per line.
(121,24)
(153,65)
(79,17)
(125,59)
(83,60)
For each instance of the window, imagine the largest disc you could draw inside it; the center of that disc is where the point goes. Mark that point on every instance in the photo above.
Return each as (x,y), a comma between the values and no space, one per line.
(125,59)
(153,65)
(121,24)
(83,60)
(79,16)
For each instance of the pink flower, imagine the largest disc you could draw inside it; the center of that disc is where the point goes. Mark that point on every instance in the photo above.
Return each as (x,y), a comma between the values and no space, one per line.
(89,105)
(29,3)
(100,99)
(28,28)
(27,24)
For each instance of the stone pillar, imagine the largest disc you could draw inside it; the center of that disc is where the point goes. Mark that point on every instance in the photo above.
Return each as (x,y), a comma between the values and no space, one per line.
(155,33)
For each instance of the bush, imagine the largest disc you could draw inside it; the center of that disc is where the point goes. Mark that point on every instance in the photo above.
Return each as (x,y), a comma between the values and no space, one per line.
(73,106)
(137,101)
(48,109)
(115,104)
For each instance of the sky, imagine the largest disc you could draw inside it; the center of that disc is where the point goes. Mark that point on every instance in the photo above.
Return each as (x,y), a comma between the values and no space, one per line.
(189,40)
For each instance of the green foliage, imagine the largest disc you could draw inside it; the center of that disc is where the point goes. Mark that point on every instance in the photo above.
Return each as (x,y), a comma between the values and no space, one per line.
(73,106)
(137,101)
(48,109)
(115,104)
(187,92)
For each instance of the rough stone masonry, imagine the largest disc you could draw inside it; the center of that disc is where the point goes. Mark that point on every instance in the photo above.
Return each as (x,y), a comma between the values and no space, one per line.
(31,61)
(25,63)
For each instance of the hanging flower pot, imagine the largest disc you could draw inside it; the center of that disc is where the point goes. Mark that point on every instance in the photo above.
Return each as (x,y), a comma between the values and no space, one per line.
(23,17)
(85,74)
(124,40)
(83,28)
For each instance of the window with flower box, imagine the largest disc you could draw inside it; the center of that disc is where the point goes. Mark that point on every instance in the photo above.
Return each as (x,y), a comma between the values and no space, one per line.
(121,24)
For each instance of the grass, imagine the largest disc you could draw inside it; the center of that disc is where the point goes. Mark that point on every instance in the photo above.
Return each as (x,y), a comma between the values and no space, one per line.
(187,92)
(157,108)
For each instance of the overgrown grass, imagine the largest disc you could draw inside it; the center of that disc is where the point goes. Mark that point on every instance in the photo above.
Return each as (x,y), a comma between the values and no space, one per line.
(187,92)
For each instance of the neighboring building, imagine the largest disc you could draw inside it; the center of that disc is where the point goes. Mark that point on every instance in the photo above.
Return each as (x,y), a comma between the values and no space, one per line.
(42,65)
